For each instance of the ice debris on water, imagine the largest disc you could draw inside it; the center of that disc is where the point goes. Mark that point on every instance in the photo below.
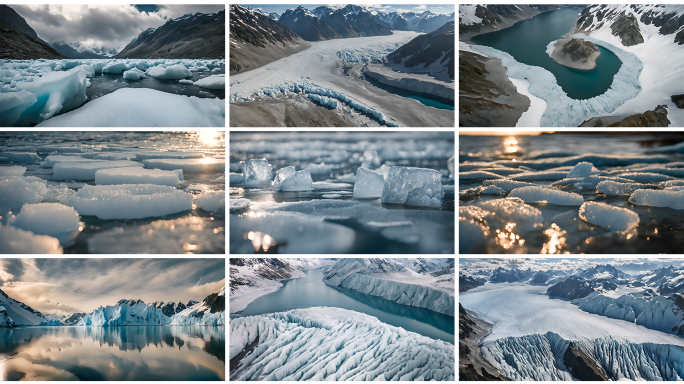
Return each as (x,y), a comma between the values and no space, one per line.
(212,201)
(256,171)
(656,198)
(287,179)
(561,110)
(133,175)
(608,216)
(582,169)
(134,74)
(206,164)
(368,184)
(16,240)
(47,219)
(171,72)
(614,188)
(130,201)
(546,195)
(212,82)
(238,204)
(21,157)
(86,170)
(510,210)
(413,186)
(507,184)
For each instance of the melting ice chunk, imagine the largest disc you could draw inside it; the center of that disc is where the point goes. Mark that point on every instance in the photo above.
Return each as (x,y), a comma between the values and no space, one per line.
(299,181)
(655,198)
(413,186)
(206,164)
(613,188)
(212,82)
(238,204)
(47,218)
(236,178)
(256,170)
(368,184)
(86,170)
(172,72)
(511,210)
(281,175)
(130,201)
(582,169)
(546,195)
(608,216)
(15,240)
(212,201)
(51,160)
(134,175)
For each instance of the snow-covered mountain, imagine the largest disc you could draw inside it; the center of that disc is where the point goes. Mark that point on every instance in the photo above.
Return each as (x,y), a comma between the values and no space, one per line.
(211,311)
(475,18)
(256,39)
(665,281)
(431,53)
(510,275)
(16,313)
(77,51)
(576,287)
(198,36)
(352,21)
(126,312)
(307,25)
(607,272)
(254,277)
(392,281)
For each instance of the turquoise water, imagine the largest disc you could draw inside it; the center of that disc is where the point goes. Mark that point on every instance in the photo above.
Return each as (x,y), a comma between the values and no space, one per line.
(311,291)
(424,98)
(526,41)
(113,353)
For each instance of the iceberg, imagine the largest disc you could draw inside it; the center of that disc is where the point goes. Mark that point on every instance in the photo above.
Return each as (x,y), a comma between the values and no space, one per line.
(212,82)
(47,219)
(172,72)
(134,74)
(134,175)
(413,186)
(324,343)
(86,170)
(15,240)
(608,216)
(582,169)
(130,201)
(368,184)
(561,110)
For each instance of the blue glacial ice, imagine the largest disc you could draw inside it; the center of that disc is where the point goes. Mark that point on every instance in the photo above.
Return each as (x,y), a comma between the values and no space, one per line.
(413,186)
(561,110)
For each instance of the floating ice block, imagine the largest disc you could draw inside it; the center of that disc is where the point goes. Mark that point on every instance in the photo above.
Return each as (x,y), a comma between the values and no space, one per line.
(206,164)
(546,195)
(300,181)
(368,184)
(85,170)
(47,218)
(608,216)
(413,186)
(281,175)
(256,170)
(212,201)
(134,175)
(654,198)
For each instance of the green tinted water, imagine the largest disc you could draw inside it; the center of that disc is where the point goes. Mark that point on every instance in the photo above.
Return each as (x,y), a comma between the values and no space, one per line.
(311,291)
(526,41)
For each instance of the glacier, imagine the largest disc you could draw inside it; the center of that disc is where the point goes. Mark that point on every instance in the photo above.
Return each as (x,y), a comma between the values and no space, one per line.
(211,311)
(125,312)
(323,343)
(561,110)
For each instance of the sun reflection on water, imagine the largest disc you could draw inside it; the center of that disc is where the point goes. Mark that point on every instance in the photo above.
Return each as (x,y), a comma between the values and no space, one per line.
(557,240)
(511,145)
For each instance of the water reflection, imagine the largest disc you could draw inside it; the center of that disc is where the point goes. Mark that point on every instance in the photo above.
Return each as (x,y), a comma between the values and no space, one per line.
(511,145)
(112,353)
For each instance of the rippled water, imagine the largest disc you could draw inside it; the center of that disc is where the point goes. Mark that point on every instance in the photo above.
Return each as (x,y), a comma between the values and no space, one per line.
(660,229)
(181,227)
(329,219)
(113,353)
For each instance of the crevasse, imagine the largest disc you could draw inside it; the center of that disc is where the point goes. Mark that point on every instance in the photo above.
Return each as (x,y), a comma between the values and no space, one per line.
(561,110)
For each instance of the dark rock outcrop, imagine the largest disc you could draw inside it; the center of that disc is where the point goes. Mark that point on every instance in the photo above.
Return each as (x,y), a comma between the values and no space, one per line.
(628,29)
(18,45)
(581,366)
(427,49)
(579,49)
(571,288)
(655,118)
(74,318)
(353,21)
(466,283)
(678,100)
(198,36)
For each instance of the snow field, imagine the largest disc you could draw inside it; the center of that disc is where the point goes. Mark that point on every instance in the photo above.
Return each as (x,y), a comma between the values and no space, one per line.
(130,201)
(86,170)
(134,175)
(323,343)
(608,216)
(47,219)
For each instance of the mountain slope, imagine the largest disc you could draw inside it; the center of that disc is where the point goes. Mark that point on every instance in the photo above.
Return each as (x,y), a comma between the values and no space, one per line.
(17,45)
(256,39)
(307,25)
(476,19)
(198,36)
(431,53)
(211,311)
(17,313)
(11,17)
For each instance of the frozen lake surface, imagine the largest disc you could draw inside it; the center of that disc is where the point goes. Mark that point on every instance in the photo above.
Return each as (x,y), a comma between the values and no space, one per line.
(112,192)
(333,210)
(574,193)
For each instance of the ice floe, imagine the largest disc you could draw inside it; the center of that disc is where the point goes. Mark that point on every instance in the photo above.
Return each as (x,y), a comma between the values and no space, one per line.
(212,201)
(47,219)
(206,164)
(608,216)
(614,188)
(656,198)
(134,175)
(368,184)
(546,195)
(86,170)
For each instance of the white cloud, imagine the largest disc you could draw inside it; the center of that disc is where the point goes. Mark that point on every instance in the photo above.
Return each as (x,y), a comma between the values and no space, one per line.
(423,6)
(208,288)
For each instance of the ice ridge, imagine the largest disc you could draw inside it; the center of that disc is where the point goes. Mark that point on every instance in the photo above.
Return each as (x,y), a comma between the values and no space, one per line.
(561,110)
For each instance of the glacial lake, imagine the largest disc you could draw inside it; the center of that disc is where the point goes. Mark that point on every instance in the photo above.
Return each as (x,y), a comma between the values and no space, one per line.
(311,291)
(113,353)
(526,41)
(423,98)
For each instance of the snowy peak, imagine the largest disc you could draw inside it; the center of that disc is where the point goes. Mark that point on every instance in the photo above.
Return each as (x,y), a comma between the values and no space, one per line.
(510,275)
(17,312)
(576,287)
(603,272)
(211,311)
(666,280)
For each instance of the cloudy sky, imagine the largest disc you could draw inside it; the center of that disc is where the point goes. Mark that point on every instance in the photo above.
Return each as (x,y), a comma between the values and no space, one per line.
(95,25)
(418,8)
(65,286)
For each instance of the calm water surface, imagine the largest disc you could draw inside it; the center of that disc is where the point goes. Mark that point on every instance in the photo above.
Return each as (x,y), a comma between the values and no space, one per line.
(112,353)
(526,41)
(311,291)
(106,83)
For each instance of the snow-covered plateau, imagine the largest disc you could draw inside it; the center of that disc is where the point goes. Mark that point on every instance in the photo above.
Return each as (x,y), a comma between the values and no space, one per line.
(56,93)
(324,343)
(319,71)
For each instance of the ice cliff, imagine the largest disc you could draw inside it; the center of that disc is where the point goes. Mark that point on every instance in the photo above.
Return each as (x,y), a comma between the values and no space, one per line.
(125,312)
(365,276)
(323,343)
(561,110)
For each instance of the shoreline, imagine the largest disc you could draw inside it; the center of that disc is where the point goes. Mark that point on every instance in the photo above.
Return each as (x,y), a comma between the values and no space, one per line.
(562,58)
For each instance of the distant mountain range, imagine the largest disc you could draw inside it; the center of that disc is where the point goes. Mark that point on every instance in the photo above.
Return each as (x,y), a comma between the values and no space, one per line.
(125,312)
(72,51)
